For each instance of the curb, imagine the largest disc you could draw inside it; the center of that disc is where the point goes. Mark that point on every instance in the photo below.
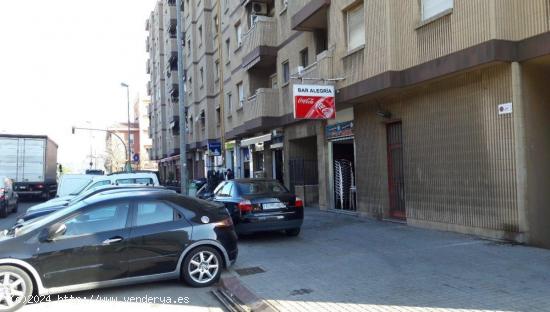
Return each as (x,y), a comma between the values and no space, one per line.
(231,285)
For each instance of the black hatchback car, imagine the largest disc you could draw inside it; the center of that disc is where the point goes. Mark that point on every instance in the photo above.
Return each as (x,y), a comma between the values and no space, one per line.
(116,239)
(258,205)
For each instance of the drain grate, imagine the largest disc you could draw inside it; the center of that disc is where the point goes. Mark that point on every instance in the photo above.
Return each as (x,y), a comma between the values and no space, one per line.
(249,271)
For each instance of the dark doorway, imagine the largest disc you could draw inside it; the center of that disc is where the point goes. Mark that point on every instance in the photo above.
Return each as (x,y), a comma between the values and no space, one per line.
(278,164)
(396,179)
(343,155)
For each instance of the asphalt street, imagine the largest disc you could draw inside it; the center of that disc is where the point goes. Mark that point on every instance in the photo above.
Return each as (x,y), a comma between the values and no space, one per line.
(162,296)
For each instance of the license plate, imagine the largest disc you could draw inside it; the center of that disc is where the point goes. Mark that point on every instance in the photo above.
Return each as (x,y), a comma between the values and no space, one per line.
(22,187)
(270,206)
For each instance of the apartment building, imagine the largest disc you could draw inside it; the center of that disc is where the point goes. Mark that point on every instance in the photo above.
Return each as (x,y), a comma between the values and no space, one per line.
(162,66)
(141,118)
(442,114)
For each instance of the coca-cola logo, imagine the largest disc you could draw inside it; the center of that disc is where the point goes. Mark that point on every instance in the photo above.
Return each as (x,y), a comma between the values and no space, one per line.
(306,100)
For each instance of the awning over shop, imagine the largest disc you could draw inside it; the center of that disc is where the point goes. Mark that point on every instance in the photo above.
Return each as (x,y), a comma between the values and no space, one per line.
(255,140)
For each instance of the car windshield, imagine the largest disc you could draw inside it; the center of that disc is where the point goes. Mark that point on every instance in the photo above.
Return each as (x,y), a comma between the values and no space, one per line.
(261,187)
(39,222)
(73,186)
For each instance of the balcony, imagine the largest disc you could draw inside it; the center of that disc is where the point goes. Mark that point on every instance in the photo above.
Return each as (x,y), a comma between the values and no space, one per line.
(173,60)
(175,125)
(148,66)
(321,69)
(147,25)
(172,28)
(147,45)
(260,44)
(149,91)
(310,15)
(264,103)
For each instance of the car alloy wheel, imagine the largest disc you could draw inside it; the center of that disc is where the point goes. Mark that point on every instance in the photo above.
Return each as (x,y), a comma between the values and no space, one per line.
(15,288)
(202,267)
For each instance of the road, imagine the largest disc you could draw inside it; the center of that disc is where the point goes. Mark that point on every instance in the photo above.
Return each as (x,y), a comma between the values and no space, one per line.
(162,296)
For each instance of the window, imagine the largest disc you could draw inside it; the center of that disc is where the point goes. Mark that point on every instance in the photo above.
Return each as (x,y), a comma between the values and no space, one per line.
(261,187)
(238,34)
(225,191)
(227,48)
(229,104)
(146,181)
(203,119)
(356,27)
(286,72)
(100,183)
(200,35)
(240,91)
(218,116)
(304,58)
(189,47)
(100,219)
(154,212)
(431,8)
(202,76)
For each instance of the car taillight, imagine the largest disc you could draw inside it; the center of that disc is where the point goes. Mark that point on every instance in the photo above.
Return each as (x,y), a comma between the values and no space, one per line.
(40,186)
(225,223)
(2,192)
(299,203)
(245,206)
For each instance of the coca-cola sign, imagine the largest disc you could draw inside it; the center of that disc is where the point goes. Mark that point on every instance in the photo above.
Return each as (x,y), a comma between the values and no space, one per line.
(314,102)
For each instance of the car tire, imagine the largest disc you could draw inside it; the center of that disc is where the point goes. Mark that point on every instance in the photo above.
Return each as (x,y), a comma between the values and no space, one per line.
(293,232)
(202,267)
(3,210)
(21,291)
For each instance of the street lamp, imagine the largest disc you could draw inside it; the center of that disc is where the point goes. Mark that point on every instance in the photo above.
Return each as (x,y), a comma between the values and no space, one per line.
(108,131)
(129,165)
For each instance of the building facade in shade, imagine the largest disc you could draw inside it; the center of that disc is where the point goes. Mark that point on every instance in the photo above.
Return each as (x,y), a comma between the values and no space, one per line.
(442,114)
(141,118)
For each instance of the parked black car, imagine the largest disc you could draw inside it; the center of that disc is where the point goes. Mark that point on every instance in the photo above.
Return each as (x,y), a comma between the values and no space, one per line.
(9,200)
(116,239)
(50,206)
(258,205)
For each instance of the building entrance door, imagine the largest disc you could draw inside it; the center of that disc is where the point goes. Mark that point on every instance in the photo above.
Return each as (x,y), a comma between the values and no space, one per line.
(396,179)
(343,162)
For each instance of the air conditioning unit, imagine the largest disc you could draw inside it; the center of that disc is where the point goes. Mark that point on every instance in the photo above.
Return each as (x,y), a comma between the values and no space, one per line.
(259,8)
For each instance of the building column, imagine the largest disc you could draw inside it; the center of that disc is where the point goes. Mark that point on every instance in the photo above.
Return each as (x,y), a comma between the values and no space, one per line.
(322,169)
(520,151)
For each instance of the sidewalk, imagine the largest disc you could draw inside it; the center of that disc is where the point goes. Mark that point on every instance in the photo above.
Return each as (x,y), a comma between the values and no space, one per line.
(343,263)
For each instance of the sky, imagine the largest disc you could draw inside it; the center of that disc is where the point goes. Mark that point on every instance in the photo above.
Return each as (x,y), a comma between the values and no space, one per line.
(61,64)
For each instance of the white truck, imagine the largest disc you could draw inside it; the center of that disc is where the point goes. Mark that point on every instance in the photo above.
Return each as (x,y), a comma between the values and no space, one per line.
(31,161)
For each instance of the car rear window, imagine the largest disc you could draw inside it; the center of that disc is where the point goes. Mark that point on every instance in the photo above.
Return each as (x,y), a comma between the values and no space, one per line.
(135,181)
(261,187)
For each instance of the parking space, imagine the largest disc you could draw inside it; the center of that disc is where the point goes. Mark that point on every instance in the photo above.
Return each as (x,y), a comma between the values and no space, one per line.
(343,263)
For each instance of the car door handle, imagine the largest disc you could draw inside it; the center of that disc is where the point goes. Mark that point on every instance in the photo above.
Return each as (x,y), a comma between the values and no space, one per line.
(113,240)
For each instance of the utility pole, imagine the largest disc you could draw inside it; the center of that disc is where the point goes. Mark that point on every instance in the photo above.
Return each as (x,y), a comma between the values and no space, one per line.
(221,94)
(181,98)
(129,160)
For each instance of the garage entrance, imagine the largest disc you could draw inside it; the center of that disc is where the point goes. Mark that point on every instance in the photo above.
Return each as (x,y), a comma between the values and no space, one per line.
(303,169)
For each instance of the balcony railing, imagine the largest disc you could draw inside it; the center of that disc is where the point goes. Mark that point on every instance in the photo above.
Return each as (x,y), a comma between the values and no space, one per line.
(262,33)
(148,66)
(264,103)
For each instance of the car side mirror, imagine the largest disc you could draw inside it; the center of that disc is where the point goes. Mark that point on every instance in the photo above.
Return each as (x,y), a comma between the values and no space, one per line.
(53,232)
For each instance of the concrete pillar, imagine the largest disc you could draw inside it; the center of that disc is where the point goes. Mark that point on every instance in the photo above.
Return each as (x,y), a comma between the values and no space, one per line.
(520,151)
(322,169)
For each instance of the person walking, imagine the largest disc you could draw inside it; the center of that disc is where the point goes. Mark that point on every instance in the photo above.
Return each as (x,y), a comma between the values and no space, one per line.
(229,174)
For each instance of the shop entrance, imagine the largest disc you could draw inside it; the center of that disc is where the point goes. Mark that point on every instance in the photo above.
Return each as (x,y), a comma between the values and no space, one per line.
(303,174)
(343,162)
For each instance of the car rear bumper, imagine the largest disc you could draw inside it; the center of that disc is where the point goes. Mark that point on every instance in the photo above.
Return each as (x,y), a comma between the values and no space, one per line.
(30,193)
(262,226)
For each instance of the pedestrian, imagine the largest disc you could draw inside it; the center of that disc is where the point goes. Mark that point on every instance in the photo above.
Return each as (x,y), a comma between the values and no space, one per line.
(229,174)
